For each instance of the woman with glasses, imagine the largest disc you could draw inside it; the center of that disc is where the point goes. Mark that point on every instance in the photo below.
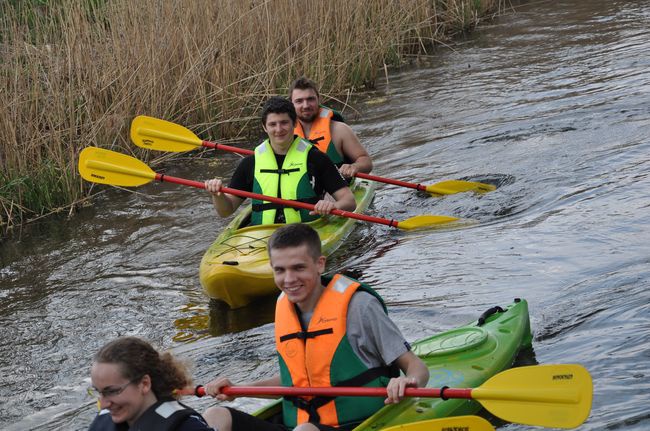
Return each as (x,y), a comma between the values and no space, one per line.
(135,387)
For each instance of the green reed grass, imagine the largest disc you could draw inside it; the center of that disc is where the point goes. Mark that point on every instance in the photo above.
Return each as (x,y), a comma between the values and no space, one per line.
(75,72)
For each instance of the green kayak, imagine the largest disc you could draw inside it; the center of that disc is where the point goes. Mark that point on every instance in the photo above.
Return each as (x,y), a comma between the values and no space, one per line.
(464,357)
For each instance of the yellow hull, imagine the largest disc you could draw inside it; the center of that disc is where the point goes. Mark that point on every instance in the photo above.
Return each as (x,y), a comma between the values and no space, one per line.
(235,269)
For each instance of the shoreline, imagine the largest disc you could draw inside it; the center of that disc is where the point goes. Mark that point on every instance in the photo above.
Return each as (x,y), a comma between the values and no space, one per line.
(75,79)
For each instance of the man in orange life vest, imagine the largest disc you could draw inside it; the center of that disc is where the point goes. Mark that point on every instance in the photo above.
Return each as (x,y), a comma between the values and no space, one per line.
(326,130)
(328,332)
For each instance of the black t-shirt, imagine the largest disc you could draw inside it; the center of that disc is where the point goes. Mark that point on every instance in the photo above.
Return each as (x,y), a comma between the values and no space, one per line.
(321,171)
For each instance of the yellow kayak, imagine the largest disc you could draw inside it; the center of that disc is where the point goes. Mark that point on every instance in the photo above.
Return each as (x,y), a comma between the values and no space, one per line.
(235,269)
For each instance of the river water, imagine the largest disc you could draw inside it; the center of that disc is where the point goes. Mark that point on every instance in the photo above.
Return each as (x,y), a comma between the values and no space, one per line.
(549,102)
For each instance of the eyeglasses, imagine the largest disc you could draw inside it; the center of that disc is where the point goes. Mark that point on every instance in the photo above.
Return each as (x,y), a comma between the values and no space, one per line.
(108,392)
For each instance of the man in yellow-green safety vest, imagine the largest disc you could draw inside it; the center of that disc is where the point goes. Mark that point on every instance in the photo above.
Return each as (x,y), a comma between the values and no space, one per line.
(284,166)
(325,129)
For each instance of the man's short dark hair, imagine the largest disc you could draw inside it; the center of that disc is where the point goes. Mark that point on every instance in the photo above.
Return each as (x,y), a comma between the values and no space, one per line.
(296,235)
(278,105)
(303,83)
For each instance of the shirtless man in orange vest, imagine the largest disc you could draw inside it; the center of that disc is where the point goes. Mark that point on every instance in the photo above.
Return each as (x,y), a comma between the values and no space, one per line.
(326,130)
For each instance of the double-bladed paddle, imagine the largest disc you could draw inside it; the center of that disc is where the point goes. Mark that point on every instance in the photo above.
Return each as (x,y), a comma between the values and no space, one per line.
(557,396)
(161,135)
(108,167)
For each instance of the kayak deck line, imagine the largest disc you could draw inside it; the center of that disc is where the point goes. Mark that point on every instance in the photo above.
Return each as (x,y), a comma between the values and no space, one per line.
(244,248)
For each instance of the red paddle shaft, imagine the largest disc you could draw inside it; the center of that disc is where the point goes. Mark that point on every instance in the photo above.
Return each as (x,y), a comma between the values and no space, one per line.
(295,204)
(444,393)
(245,152)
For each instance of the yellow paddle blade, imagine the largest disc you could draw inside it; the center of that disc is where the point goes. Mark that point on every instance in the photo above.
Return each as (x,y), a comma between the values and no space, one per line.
(108,167)
(155,134)
(464,423)
(424,221)
(449,187)
(556,396)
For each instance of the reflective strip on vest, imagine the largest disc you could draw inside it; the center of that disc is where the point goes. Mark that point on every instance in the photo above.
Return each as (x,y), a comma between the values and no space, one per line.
(341,284)
(169,408)
(162,416)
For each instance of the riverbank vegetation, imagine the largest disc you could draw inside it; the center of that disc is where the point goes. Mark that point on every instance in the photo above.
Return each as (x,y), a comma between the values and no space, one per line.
(75,72)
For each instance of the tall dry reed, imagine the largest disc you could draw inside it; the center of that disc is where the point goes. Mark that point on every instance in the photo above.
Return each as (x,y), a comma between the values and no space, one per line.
(75,72)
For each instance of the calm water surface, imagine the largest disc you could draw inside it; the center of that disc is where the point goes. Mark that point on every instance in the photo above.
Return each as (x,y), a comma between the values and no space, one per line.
(550,103)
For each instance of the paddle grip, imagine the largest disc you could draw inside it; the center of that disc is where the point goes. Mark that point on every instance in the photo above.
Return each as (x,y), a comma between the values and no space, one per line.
(198,391)
(447,393)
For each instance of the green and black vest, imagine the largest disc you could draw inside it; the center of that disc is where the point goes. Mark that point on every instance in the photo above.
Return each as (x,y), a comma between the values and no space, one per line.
(162,416)
(291,182)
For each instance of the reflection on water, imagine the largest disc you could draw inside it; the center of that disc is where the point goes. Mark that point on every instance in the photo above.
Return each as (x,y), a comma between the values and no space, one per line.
(218,319)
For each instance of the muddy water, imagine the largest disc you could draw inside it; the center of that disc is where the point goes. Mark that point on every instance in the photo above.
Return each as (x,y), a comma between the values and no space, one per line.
(550,103)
